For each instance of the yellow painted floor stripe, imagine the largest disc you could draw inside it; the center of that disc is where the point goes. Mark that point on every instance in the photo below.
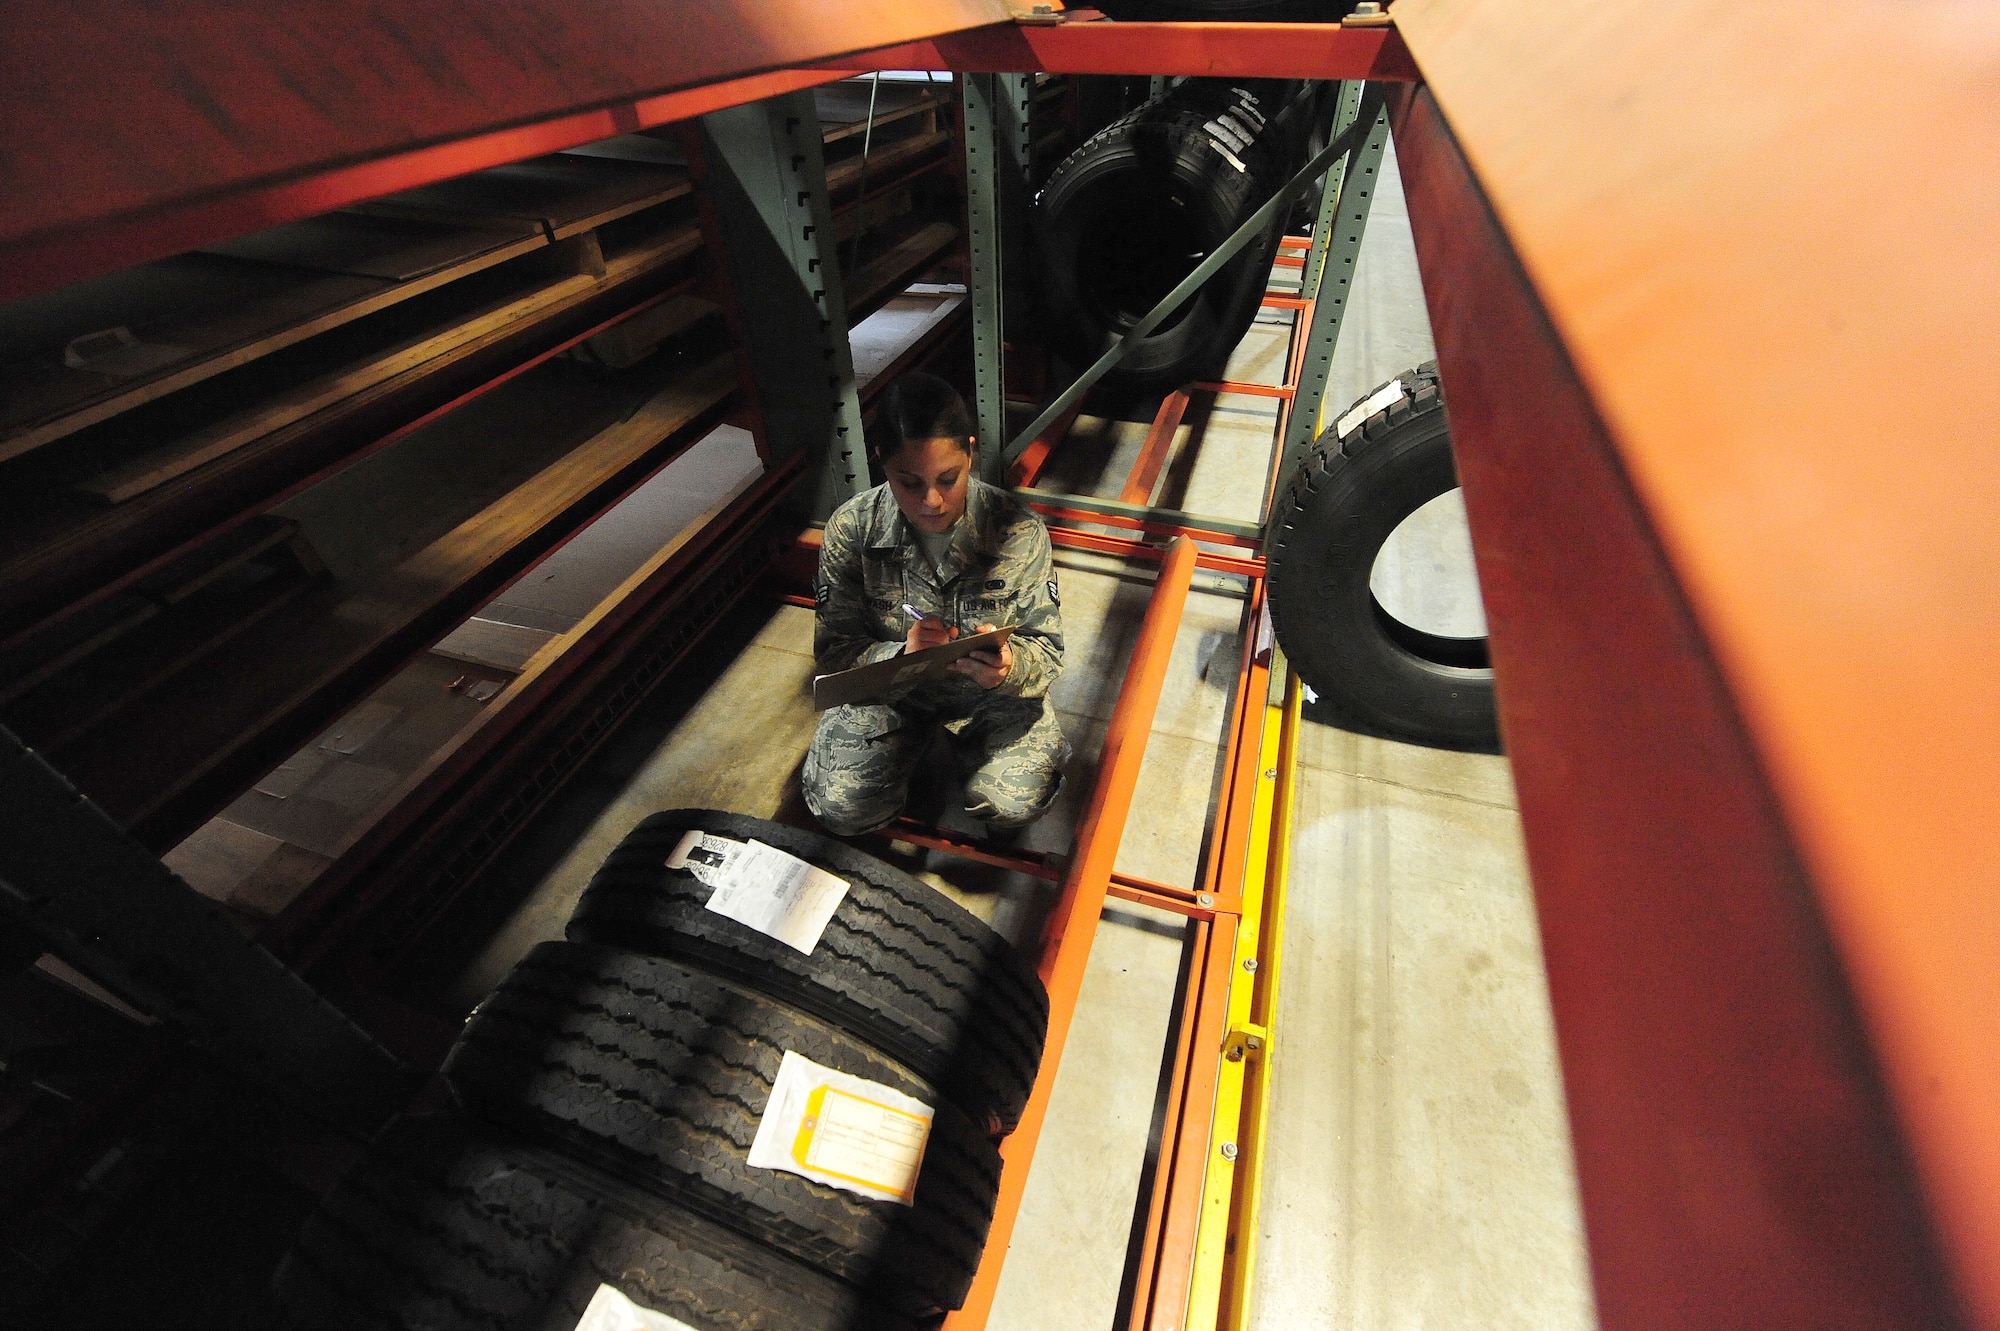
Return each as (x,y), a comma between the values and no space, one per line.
(1230,1183)
(1239,1266)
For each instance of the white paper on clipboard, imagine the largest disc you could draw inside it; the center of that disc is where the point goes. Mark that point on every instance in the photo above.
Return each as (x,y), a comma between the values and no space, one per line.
(872,682)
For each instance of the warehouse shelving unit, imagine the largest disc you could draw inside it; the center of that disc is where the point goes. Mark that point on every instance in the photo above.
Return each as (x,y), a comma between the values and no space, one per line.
(1779,1068)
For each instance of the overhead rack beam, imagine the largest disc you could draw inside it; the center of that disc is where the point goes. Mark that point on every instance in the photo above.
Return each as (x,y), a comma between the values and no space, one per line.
(1204,50)
(204,120)
(179,140)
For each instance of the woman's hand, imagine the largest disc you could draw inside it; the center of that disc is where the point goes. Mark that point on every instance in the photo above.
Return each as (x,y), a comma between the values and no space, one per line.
(930,631)
(987,667)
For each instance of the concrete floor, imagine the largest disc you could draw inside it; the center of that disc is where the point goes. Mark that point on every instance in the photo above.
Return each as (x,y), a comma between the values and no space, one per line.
(1419,1170)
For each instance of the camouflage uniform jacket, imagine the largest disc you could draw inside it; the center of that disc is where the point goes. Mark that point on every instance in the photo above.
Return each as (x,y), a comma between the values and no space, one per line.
(996,571)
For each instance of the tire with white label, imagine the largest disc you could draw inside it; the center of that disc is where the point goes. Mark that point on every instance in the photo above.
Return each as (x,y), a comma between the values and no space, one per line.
(660,1075)
(1131,212)
(1351,492)
(449,1226)
(900,965)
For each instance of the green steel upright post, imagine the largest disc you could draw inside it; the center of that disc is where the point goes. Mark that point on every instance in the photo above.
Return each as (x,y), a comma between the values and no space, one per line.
(1329,271)
(767,178)
(1013,121)
(983,97)
(1347,109)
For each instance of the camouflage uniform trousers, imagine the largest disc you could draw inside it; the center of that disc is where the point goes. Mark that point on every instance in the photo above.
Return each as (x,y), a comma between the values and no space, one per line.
(857,772)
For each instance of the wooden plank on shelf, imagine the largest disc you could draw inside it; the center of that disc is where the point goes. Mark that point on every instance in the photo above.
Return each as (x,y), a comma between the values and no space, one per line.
(83,544)
(394,249)
(489,642)
(872,212)
(564,193)
(884,160)
(204,445)
(843,107)
(507,522)
(457,774)
(898,266)
(272,308)
(38,658)
(630,341)
(319,653)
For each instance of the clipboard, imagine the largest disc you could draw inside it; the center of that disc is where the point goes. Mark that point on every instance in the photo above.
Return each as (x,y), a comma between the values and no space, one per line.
(872,682)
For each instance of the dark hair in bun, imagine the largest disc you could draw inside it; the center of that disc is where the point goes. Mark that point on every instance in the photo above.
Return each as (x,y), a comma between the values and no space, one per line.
(916,407)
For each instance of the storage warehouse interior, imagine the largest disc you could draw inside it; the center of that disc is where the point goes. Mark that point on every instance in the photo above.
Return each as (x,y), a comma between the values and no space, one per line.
(1497,502)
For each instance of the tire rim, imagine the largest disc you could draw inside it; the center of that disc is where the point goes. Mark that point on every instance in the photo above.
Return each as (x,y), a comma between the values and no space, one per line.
(1425,588)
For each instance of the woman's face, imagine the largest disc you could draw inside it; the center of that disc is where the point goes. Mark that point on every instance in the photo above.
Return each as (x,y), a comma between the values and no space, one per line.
(928,478)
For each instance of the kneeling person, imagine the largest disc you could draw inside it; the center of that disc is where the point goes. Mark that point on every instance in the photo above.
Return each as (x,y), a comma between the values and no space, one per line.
(965,556)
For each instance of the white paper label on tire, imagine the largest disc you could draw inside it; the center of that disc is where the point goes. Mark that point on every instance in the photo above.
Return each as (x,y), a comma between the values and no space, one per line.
(842,1130)
(762,887)
(611,1311)
(1386,396)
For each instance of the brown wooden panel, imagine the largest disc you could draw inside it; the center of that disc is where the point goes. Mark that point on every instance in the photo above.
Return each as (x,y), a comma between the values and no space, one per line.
(165,763)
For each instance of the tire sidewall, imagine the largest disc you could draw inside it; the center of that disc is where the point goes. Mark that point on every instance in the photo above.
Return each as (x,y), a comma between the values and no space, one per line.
(1330,531)
(1066,214)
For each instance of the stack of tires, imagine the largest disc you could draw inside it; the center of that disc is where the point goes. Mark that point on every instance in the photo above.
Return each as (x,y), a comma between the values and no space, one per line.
(1133,211)
(609,1092)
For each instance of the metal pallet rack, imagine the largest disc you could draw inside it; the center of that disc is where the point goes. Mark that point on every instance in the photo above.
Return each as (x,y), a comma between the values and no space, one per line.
(1752,797)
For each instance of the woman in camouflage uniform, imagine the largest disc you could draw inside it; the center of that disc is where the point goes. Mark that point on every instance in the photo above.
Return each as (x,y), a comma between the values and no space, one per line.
(965,555)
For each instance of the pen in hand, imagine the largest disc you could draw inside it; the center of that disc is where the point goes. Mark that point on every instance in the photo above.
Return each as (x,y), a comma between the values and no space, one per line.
(926,630)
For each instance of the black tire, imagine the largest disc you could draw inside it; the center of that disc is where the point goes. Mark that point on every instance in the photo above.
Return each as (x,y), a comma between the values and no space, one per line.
(1129,214)
(660,1075)
(444,1226)
(901,966)
(1350,493)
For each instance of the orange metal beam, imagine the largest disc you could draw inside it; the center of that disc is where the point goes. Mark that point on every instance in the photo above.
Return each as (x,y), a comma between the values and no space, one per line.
(1212,50)
(1153,453)
(137,131)
(1248,390)
(1160,1186)
(1036,456)
(971,848)
(1113,545)
(1167,1249)
(1072,924)
(1728,459)
(1095,519)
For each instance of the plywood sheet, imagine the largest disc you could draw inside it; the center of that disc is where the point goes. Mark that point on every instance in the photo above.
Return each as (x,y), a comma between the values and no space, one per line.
(892,330)
(490,642)
(564,193)
(395,249)
(220,856)
(562,589)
